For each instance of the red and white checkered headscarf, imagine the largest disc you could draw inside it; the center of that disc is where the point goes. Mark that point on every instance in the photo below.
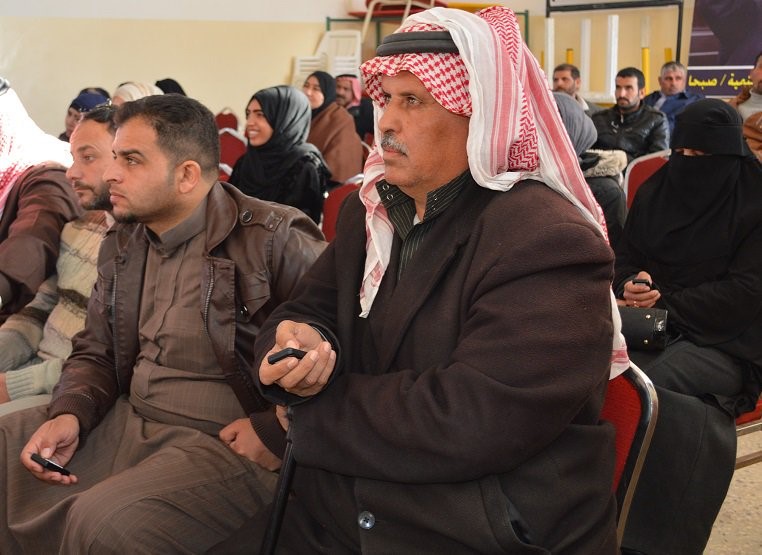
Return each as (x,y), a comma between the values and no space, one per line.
(356,87)
(23,144)
(515,130)
(443,74)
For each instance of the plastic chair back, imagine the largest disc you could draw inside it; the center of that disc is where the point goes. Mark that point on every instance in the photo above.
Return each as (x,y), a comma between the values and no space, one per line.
(339,52)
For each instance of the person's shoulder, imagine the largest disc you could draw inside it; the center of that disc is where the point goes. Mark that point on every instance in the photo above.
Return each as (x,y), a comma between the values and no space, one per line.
(250,211)
(650,99)
(532,201)
(604,114)
(592,107)
(47,182)
(339,114)
(531,213)
(46,171)
(691,96)
(310,157)
(653,113)
(91,220)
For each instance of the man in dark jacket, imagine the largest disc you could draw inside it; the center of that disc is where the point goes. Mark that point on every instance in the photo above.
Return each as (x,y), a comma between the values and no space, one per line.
(630,125)
(169,444)
(672,96)
(463,397)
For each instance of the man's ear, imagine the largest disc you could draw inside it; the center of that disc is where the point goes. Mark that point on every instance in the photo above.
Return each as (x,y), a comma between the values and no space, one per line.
(188,176)
(642,93)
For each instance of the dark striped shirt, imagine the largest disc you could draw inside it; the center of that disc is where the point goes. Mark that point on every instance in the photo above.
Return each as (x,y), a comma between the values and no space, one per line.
(401,211)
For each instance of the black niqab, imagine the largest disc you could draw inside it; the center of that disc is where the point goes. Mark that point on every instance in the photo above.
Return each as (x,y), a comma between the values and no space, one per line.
(693,209)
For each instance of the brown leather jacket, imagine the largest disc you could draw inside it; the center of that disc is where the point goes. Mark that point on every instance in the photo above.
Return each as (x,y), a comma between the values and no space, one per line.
(259,248)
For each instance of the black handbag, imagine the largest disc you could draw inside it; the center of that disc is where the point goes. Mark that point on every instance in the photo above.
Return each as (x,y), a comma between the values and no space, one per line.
(644,329)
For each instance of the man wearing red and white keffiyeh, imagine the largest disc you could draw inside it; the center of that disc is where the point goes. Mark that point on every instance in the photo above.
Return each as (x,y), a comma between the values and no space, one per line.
(515,130)
(23,144)
(36,201)
(458,330)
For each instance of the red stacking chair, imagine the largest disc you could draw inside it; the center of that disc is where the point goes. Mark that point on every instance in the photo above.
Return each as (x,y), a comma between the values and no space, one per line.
(745,424)
(640,169)
(232,147)
(226,118)
(333,203)
(631,406)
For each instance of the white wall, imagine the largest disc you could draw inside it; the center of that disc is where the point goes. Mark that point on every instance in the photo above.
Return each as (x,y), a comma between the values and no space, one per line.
(196,10)
(204,10)
(221,51)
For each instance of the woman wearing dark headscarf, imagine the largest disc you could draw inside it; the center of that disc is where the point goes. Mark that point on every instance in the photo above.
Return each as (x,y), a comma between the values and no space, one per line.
(333,128)
(602,168)
(694,232)
(279,165)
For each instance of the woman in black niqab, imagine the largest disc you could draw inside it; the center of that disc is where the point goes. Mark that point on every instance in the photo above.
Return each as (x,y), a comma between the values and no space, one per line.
(285,169)
(695,231)
(694,222)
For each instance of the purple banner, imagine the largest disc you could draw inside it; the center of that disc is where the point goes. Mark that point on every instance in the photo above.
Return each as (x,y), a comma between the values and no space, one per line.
(718,81)
(725,40)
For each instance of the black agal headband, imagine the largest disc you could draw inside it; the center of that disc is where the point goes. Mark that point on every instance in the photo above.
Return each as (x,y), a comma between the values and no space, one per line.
(417,42)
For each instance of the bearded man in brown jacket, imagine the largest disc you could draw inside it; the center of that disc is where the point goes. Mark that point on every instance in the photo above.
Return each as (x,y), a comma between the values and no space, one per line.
(168,444)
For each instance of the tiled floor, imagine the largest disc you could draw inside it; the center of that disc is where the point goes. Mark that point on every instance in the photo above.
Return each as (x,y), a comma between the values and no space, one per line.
(738,528)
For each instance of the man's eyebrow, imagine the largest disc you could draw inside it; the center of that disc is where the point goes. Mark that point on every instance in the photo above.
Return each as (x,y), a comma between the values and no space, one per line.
(128,152)
(405,92)
(84,147)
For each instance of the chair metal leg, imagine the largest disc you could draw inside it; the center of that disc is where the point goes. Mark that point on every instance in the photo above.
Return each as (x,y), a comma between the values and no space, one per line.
(756,456)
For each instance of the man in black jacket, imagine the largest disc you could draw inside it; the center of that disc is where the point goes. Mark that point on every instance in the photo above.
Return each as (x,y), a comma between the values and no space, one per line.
(630,125)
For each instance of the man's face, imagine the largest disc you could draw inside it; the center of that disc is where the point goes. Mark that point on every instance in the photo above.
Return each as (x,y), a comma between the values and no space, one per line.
(91,149)
(424,145)
(344,94)
(627,94)
(72,119)
(672,82)
(142,179)
(258,129)
(756,77)
(564,82)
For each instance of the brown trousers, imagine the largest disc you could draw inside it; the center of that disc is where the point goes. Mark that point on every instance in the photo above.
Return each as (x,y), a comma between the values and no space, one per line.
(144,487)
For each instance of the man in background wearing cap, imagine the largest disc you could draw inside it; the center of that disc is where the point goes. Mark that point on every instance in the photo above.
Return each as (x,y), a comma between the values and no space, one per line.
(84,102)
(454,397)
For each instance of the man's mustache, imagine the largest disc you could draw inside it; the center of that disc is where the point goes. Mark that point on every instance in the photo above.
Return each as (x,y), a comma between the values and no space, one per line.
(388,142)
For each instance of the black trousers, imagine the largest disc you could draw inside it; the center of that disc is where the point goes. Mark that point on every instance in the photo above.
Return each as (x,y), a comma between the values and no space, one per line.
(691,459)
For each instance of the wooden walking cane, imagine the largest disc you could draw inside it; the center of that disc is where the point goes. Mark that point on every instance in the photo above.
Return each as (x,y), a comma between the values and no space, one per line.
(270,540)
